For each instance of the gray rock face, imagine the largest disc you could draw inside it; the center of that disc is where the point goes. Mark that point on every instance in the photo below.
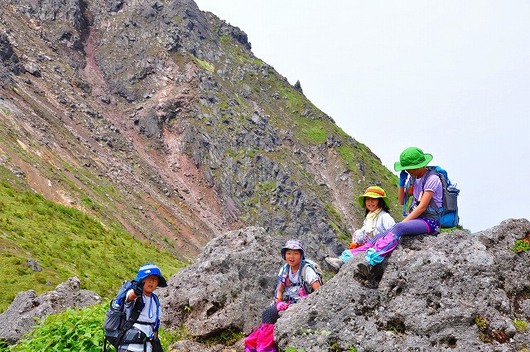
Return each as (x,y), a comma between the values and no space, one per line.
(22,314)
(451,292)
(227,287)
(9,61)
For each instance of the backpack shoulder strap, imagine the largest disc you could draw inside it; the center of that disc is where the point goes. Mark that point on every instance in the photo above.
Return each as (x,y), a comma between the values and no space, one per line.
(433,170)
(284,270)
(430,170)
(157,301)
(135,313)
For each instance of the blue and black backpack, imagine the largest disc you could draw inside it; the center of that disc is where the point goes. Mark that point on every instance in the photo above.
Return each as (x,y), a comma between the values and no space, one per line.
(448,213)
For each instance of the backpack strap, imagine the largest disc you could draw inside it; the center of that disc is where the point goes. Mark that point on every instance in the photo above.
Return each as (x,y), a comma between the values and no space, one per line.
(284,272)
(157,301)
(303,268)
(137,308)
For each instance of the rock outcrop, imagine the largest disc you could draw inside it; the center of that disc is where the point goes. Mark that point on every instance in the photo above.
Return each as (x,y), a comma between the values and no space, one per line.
(228,285)
(27,308)
(450,292)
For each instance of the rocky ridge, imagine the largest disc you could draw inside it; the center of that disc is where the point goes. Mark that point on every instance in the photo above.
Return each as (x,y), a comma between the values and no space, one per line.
(450,292)
(28,308)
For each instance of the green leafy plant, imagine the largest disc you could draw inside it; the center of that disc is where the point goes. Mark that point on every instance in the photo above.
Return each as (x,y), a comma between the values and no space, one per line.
(521,325)
(79,330)
(522,245)
(293,349)
(72,330)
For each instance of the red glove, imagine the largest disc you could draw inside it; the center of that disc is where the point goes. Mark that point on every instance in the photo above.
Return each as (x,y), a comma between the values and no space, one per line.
(354,245)
(281,305)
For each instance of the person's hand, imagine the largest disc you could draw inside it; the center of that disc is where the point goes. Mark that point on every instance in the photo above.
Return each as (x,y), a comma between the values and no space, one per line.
(403,178)
(281,305)
(138,288)
(302,293)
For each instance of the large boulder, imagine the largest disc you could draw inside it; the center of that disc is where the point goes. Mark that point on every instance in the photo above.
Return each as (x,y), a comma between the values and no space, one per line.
(227,287)
(451,292)
(27,308)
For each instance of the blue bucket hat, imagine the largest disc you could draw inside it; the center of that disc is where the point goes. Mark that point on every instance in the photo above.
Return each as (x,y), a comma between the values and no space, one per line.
(293,244)
(148,270)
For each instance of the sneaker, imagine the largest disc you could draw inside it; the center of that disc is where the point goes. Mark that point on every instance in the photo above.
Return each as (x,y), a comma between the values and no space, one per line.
(364,270)
(335,263)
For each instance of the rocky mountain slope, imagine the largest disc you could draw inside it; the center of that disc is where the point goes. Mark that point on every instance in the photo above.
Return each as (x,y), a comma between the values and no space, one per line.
(158,116)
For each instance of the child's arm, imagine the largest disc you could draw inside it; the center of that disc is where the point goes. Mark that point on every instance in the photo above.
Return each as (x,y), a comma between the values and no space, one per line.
(279,292)
(424,203)
(315,285)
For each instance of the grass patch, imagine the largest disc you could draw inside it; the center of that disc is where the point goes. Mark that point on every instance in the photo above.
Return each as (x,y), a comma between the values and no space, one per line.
(520,325)
(205,65)
(64,242)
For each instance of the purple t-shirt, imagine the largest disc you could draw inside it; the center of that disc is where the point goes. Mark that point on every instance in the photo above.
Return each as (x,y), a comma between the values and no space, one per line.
(432,184)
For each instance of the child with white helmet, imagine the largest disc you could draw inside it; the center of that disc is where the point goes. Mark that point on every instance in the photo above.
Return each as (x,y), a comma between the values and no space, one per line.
(296,280)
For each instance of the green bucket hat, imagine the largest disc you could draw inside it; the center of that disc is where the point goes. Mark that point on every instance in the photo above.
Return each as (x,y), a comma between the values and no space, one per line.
(412,158)
(373,192)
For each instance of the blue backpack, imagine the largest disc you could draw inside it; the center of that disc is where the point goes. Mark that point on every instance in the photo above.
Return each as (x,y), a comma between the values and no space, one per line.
(449,210)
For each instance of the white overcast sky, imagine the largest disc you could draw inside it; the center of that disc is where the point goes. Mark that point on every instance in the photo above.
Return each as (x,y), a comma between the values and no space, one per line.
(451,77)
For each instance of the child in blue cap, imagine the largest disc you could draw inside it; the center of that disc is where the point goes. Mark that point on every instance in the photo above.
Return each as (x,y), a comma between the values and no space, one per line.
(143,335)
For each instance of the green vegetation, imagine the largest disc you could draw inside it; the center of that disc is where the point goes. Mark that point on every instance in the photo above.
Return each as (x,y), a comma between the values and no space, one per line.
(227,338)
(205,65)
(486,333)
(522,245)
(78,330)
(64,242)
(72,330)
(520,325)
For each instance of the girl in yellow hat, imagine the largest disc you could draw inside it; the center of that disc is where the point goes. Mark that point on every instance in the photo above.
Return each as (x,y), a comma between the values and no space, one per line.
(377,221)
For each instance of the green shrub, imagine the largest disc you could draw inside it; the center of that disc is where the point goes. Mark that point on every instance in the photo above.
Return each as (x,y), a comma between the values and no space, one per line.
(521,245)
(74,330)
(79,330)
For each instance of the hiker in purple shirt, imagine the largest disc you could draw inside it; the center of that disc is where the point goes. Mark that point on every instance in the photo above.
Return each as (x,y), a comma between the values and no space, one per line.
(423,217)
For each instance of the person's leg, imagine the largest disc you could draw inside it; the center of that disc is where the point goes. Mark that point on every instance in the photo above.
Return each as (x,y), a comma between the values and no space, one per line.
(270,315)
(385,245)
(266,338)
(255,340)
